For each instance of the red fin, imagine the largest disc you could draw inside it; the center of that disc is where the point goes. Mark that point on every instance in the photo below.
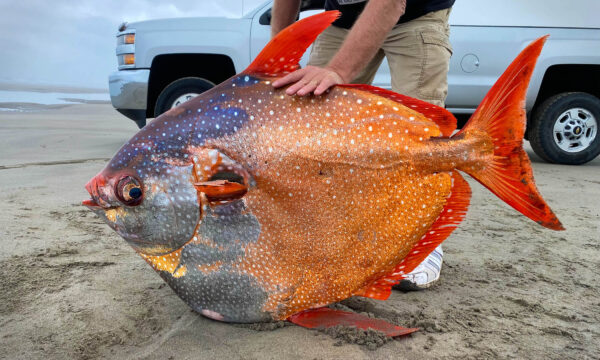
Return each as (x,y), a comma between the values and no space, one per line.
(502,116)
(442,117)
(326,318)
(453,213)
(451,216)
(283,52)
(221,190)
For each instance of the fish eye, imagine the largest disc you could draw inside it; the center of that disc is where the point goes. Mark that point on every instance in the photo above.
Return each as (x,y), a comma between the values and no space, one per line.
(129,191)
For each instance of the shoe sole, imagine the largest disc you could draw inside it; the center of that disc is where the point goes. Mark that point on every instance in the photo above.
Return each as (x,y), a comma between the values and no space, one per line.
(407,285)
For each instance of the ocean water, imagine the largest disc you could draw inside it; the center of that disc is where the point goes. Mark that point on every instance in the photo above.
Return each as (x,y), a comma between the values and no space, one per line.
(14,100)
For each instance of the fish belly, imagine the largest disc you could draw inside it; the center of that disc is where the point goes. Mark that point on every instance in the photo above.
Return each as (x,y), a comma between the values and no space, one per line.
(324,243)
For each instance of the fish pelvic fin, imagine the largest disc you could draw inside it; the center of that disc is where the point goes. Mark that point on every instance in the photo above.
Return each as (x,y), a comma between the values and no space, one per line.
(501,117)
(451,216)
(282,54)
(442,117)
(325,318)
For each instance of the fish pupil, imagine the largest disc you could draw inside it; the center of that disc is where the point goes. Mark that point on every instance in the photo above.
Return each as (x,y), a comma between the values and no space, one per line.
(135,193)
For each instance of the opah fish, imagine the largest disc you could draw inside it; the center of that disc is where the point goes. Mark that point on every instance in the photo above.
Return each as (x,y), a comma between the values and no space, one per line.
(254,205)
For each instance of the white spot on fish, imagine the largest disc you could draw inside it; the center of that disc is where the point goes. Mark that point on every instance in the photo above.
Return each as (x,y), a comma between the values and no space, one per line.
(213,155)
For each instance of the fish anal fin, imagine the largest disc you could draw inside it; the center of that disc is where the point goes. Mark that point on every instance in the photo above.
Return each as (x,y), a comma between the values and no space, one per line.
(442,117)
(326,318)
(282,54)
(453,214)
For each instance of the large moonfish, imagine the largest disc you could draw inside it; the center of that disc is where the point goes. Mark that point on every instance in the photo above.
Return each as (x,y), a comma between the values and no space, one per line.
(254,205)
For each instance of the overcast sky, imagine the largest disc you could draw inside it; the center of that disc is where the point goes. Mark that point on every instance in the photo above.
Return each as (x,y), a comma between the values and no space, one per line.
(72,42)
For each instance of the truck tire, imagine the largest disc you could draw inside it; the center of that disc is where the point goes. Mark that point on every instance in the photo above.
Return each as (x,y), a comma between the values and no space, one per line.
(179,91)
(564,128)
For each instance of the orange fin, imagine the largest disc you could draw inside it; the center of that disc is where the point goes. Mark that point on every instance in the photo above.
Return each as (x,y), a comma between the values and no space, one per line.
(453,214)
(326,318)
(442,117)
(502,116)
(221,190)
(284,51)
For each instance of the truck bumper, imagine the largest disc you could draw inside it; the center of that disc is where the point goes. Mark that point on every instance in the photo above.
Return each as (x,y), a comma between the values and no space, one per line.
(129,93)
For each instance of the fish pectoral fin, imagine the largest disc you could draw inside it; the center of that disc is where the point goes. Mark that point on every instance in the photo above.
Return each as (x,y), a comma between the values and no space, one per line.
(326,318)
(221,190)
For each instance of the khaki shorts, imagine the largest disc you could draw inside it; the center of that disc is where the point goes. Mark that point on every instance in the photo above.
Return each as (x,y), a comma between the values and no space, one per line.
(418,53)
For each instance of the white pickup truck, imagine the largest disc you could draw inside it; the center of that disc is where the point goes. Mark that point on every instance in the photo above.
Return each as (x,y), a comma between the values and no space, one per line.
(162,63)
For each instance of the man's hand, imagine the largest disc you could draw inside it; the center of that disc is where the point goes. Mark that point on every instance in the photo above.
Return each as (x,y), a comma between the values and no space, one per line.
(310,79)
(359,47)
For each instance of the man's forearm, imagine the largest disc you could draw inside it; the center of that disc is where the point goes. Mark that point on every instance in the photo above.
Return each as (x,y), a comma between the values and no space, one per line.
(283,14)
(366,37)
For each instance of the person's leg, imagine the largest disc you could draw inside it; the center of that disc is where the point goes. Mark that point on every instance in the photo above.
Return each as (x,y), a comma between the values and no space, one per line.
(418,53)
(328,43)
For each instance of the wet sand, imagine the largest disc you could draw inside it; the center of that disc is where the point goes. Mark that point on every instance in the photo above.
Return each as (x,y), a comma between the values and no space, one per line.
(71,288)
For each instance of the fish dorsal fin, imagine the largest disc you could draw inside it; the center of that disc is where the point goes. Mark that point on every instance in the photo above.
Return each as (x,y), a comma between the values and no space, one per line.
(442,117)
(283,52)
(453,213)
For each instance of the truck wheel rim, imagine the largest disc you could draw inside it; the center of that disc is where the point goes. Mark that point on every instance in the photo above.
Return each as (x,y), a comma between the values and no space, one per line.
(183,98)
(575,129)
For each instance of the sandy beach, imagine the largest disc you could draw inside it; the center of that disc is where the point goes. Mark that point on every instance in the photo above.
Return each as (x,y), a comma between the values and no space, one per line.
(72,288)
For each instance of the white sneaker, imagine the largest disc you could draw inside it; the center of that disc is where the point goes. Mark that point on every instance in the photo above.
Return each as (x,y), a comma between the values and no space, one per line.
(424,275)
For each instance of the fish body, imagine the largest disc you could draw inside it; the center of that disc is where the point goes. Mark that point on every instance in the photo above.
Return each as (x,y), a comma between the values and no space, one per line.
(254,205)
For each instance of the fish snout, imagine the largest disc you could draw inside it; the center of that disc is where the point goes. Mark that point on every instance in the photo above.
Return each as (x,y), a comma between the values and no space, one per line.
(95,188)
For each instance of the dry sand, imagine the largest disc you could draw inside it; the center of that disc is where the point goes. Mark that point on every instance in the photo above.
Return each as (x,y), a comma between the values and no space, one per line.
(71,288)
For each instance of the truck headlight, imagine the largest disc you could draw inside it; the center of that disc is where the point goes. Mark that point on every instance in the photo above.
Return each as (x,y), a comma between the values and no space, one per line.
(128,59)
(129,39)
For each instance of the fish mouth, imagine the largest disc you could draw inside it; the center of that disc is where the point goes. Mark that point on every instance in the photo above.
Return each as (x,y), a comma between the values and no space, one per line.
(91,204)
(97,199)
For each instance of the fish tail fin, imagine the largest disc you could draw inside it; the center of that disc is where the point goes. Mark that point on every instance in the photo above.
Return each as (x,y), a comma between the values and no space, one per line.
(502,117)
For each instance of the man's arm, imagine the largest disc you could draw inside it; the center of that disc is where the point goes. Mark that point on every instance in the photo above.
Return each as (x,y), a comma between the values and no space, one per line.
(283,14)
(363,41)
